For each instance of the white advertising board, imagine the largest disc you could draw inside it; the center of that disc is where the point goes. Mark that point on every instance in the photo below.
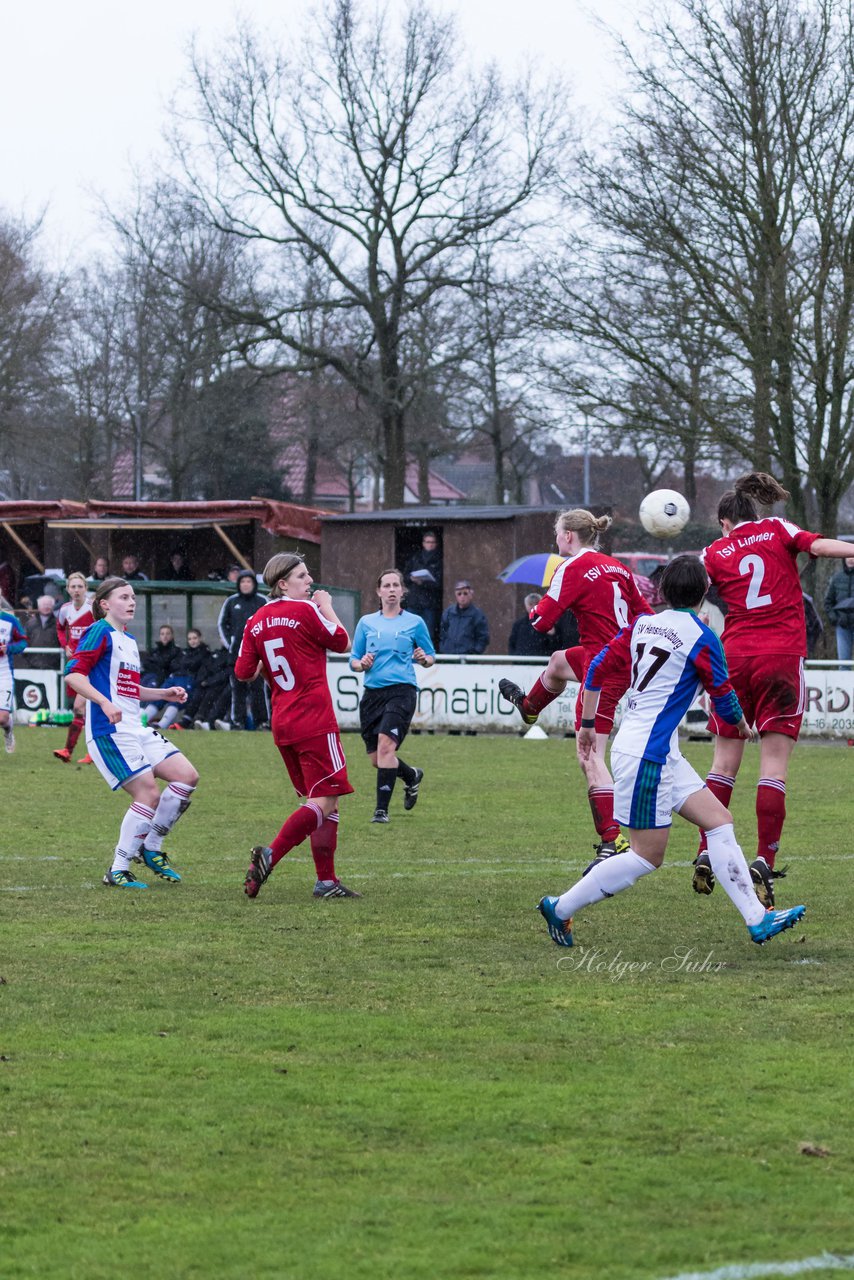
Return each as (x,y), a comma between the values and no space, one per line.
(464,696)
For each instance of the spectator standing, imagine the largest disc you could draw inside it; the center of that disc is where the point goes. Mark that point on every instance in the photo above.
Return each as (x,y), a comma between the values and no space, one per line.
(234,615)
(131,571)
(179,567)
(41,632)
(423,579)
(100,570)
(524,641)
(839,607)
(464,628)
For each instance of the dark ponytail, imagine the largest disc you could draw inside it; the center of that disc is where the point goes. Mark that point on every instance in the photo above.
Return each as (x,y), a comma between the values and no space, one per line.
(739,504)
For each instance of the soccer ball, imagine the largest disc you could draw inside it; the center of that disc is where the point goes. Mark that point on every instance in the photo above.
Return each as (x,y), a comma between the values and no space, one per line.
(664,513)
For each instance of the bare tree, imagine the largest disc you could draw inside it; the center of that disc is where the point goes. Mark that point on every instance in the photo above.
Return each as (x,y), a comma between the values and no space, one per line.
(179,351)
(31,302)
(730,183)
(506,403)
(378,158)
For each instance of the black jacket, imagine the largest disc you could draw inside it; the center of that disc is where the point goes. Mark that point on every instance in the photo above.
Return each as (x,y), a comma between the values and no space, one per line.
(424,595)
(235,614)
(526,642)
(839,597)
(160,661)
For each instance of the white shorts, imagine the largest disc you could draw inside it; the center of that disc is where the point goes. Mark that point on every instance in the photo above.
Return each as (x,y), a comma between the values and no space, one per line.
(7,693)
(647,793)
(127,752)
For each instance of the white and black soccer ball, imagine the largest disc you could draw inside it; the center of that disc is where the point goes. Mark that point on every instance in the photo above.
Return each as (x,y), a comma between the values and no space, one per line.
(664,513)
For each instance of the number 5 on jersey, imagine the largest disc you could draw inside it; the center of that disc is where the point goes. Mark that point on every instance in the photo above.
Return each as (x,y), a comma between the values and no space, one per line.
(280,668)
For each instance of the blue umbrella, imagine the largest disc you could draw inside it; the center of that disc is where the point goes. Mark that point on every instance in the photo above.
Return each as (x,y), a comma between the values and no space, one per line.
(535,570)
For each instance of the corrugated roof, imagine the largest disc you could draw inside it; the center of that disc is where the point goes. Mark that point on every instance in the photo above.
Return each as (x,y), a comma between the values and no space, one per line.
(436,515)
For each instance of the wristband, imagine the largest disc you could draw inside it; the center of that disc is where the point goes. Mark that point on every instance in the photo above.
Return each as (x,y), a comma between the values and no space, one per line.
(588,724)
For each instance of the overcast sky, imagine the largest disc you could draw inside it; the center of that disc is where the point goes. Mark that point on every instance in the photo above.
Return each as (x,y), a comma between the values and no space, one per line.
(84,84)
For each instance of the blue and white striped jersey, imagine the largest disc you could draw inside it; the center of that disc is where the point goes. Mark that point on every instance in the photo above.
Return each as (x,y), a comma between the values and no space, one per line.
(672,655)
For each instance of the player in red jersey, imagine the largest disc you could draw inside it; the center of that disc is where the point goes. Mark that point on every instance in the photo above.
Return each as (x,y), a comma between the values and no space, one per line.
(74,618)
(754,565)
(604,597)
(287,640)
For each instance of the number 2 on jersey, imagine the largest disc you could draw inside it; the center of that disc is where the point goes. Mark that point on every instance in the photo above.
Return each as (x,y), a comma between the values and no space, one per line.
(659,657)
(755,566)
(279,665)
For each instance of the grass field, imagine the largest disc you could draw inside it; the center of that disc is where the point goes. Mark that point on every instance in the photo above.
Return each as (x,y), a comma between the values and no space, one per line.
(419,1084)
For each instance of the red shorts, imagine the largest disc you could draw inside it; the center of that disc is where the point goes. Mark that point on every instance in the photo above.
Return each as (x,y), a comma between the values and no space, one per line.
(771,691)
(609,695)
(317,766)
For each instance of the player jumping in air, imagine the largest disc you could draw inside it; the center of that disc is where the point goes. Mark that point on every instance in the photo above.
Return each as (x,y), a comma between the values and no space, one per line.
(604,597)
(754,565)
(288,639)
(670,655)
(105,671)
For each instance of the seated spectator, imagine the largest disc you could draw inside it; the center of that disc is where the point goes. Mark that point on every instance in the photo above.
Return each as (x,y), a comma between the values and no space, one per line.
(100,570)
(131,571)
(162,658)
(464,628)
(188,670)
(179,567)
(40,629)
(524,641)
(209,703)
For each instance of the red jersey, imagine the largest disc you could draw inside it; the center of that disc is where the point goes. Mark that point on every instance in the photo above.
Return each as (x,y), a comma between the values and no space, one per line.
(601,592)
(755,570)
(290,638)
(72,622)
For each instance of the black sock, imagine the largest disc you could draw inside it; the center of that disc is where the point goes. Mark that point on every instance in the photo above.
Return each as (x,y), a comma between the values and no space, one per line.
(405,771)
(385,786)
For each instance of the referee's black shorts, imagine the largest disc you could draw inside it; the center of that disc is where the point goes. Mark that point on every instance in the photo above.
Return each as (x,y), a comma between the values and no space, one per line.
(387,710)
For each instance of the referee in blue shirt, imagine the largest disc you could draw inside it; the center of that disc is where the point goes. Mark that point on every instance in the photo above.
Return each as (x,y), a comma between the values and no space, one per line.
(386,646)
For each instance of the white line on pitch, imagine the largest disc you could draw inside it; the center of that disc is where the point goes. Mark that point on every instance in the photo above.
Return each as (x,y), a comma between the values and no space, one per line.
(753,1270)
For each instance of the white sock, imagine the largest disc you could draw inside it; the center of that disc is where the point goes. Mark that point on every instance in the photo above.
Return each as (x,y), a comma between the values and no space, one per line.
(732,873)
(616,873)
(170,715)
(174,801)
(134,829)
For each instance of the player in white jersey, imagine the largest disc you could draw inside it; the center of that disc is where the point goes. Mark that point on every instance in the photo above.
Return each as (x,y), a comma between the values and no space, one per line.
(671,654)
(105,671)
(13,640)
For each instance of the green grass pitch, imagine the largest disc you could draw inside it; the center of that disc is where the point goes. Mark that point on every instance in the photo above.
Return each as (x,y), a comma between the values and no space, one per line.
(419,1084)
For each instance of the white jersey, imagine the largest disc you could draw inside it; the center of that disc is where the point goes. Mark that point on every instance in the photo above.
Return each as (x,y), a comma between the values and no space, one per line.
(672,655)
(110,659)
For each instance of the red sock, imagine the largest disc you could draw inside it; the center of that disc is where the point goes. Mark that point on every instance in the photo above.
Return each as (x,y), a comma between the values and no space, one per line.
(301,823)
(538,697)
(601,800)
(324,842)
(74,731)
(720,786)
(770,816)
